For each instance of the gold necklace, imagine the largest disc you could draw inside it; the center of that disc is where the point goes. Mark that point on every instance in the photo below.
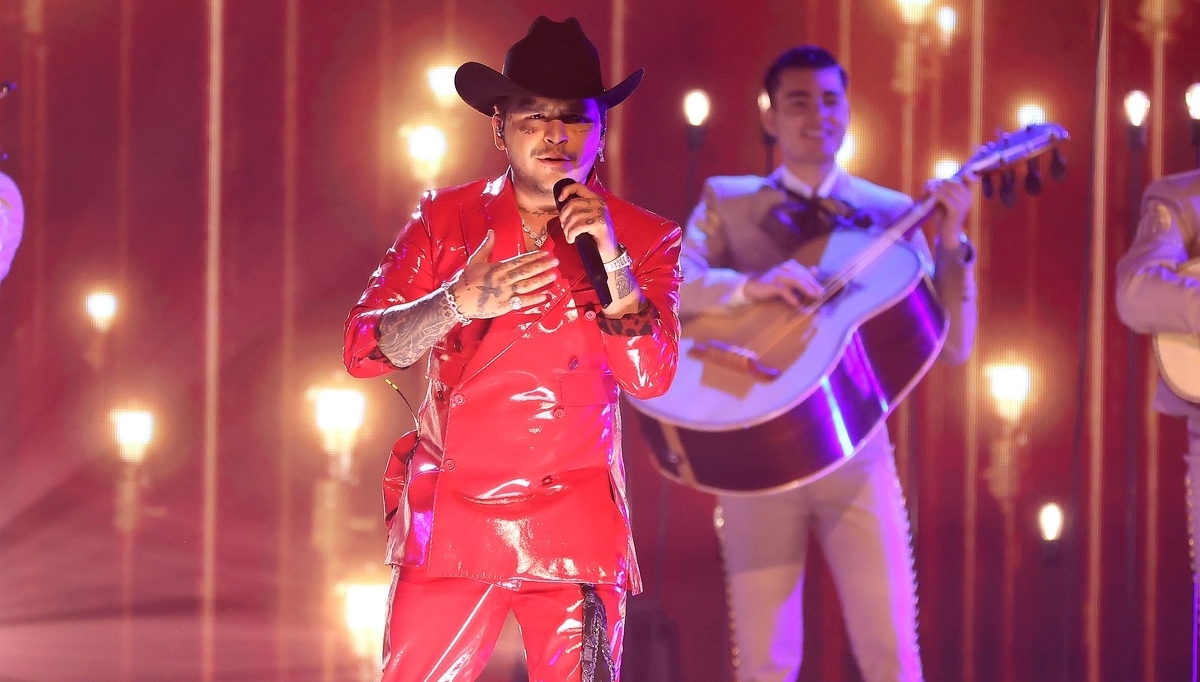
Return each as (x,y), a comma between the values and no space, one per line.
(538,239)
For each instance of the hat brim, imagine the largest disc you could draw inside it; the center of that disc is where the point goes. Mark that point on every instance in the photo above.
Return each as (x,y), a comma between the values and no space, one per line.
(480,86)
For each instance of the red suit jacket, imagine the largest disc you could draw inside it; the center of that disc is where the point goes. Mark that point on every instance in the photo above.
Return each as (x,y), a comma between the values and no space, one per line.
(517,474)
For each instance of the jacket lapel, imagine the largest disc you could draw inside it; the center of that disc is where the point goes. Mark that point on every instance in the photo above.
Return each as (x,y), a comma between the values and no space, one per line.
(498,212)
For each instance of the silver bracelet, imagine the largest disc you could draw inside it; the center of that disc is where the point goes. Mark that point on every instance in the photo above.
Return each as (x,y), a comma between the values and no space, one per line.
(462,319)
(620,262)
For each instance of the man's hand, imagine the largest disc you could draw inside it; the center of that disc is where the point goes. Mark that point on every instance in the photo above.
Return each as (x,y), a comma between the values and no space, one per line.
(789,281)
(585,211)
(954,200)
(485,289)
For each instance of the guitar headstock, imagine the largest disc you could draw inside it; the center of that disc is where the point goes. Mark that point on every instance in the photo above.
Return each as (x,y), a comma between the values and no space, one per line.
(1026,144)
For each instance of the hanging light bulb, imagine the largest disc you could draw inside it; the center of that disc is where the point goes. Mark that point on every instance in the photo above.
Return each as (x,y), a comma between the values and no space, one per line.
(1050,522)
(1137,105)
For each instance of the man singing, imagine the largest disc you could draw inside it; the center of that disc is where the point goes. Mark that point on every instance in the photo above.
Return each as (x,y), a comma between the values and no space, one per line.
(513,496)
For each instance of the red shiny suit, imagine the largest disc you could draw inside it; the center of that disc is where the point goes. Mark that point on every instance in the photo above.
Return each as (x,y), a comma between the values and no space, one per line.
(516,489)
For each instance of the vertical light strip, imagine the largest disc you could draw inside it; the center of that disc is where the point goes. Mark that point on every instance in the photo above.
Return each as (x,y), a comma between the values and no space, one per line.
(35,208)
(906,64)
(1150,596)
(124,165)
(615,177)
(287,340)
(124,152)
(1099,298)
(212,338)
(908,113)
(385,138)
(1150,417)
(1158,89)
(844,18)
(973,367)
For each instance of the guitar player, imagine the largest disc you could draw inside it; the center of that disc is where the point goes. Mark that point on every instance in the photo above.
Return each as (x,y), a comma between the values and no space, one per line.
(737,251)
(1153,299)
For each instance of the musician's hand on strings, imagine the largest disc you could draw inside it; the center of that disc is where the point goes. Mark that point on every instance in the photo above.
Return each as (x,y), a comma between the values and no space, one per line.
(789,281)
(954,201)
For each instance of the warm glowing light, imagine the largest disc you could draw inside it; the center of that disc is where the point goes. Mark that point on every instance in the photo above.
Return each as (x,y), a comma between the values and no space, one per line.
(913,11)
(1050,520)
(441,82)
(947,21)
(134,430)
(764,101)
(102,308)
(1010,388)
(1030,114)
(696,106)
(1137,105)
(366,615)
(426,144)
(1192,98)
(944,169)
(339,416)
(845,153)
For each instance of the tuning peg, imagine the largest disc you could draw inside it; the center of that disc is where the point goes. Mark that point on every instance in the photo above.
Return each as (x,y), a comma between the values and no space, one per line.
(1033,178)
(1008,188)
(1058,165)
(985,183)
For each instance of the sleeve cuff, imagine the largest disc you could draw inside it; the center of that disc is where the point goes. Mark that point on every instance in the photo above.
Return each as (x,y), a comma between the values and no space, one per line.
(641,323)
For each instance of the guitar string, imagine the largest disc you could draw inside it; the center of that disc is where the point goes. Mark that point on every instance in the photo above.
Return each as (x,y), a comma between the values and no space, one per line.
(770,337)
(774,334)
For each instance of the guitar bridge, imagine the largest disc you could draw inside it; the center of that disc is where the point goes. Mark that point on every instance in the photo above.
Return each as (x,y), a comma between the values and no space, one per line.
(735,358)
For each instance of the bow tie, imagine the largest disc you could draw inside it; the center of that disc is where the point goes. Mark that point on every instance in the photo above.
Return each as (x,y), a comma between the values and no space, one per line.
(818,215)
(799,219)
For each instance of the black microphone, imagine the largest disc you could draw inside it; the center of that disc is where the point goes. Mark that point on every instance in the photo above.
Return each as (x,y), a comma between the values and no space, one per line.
(589,253)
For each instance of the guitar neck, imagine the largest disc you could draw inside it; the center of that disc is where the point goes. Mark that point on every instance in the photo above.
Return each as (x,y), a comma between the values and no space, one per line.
(898,232)
(1024,144)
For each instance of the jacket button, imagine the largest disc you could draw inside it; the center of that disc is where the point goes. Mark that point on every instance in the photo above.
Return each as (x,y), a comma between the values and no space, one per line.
(590,315)
(559,412)
(458,399)
(449,465)
(573,364)
(547,480)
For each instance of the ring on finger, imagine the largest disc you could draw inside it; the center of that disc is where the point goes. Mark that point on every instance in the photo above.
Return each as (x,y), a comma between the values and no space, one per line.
(515,303)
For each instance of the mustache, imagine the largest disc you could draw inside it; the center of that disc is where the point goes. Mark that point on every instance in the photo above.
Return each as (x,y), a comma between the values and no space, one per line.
(554,151)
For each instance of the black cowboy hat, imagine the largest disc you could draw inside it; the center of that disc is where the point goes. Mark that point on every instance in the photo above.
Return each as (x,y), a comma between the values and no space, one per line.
(555,59)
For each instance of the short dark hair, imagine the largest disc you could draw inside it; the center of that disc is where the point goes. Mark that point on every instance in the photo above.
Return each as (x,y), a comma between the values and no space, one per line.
(808,57)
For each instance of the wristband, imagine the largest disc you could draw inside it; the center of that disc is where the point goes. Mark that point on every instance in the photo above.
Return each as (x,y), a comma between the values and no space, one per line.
(620,262)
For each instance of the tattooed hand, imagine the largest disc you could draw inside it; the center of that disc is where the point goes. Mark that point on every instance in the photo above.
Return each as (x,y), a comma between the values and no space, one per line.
(485,289)
(585,211)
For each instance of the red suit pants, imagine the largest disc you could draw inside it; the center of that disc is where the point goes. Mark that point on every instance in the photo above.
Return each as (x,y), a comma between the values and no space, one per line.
(444,629)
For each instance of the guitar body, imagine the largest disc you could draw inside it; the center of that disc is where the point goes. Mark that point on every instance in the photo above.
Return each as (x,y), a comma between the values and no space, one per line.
(840,371)
(1179,354)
